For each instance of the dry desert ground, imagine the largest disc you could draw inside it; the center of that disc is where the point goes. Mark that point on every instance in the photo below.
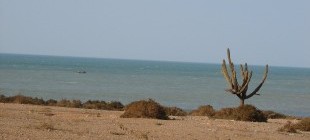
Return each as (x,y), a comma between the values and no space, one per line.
(18,121)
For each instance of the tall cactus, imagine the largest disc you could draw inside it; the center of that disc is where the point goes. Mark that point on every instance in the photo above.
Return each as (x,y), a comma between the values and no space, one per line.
(231,78)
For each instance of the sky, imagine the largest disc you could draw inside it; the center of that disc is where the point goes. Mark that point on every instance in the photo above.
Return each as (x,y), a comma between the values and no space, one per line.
(274,32)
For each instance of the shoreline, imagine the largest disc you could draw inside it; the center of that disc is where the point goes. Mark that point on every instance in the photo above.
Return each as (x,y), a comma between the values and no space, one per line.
(21,121)
(106,105)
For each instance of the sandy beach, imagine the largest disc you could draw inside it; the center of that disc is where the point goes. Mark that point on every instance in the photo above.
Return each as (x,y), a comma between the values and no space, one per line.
(20,121)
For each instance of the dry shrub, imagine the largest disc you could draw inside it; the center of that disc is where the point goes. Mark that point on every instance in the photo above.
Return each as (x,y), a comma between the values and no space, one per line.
(250,113)
(94,104)
(114,105)
(244,113)
(145,109)
(51,102)
(46,126)
(3,99)
(63,103)
(21,99)
(103,105)
(175,111)
(225,113)
(205,110)
(288,127)
(68,103)
(274,115)
(303,125)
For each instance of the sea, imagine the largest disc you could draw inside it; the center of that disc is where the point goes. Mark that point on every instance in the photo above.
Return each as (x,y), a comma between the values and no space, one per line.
(181,84)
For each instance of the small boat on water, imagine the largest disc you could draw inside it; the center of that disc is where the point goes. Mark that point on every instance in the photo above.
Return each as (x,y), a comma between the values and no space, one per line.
(81,72)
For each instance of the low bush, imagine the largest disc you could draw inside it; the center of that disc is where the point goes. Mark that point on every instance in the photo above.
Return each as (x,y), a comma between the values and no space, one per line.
(63,103)
(175,111)
(225,113)
(205,110)
(21,99)
(68,103)
(274,115)
(303,125)
(245,113)
(51,102)
(114,105)
(94,104)
(288,127)
(3,99)
(249,113)
(145,109)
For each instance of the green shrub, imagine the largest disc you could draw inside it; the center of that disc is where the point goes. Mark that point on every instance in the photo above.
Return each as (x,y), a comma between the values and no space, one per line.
(205,110)
(145,109)
(175,111)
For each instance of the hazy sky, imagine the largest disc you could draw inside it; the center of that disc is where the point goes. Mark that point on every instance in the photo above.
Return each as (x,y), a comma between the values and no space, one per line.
(276,32)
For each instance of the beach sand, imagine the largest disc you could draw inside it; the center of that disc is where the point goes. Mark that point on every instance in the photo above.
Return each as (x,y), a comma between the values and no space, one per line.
(19,121)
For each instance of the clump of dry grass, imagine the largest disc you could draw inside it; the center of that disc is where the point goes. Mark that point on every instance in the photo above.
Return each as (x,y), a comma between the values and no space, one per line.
(303,125)
(205,110)
(288,127)
(114,105)
(21,99)
(274,115)
(145,109)
(46,126)
(249,113)
(96,104)
(117,133)
(175,111)
(244,113)
(68,103)
(51,102)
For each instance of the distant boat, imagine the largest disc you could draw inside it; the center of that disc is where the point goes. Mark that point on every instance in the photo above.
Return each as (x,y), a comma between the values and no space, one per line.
(81,72)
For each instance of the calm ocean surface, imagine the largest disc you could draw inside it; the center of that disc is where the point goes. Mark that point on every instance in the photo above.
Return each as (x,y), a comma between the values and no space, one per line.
(185,85)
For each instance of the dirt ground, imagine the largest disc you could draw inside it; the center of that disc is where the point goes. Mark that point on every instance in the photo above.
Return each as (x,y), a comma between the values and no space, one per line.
(44,122)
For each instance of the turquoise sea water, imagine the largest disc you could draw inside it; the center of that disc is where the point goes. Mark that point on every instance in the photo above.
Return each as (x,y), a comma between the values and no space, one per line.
(185,85)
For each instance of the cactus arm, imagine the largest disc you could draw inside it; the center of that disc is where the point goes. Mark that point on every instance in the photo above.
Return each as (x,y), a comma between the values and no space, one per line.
(226,75)
(260,85)
(234,81)
(245,84)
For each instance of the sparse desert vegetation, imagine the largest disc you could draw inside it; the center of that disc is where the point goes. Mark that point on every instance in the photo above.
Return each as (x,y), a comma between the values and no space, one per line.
(90,104)
(302,125)
(242,113)
(175,111)
(205,110)
(151,109)
(20,121)
(145,109)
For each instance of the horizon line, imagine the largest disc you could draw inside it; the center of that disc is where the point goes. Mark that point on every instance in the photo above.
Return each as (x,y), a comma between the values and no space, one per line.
(134,59)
